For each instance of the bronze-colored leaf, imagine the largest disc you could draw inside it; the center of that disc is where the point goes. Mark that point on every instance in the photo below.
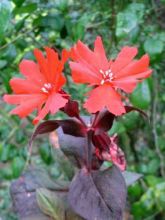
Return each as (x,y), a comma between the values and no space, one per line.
(99,194)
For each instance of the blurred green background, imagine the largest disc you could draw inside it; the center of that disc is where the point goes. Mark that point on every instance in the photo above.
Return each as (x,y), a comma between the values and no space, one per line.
(27,24)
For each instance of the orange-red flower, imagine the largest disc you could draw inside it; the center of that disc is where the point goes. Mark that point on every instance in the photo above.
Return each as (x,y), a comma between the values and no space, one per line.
(108,76)
(41,86)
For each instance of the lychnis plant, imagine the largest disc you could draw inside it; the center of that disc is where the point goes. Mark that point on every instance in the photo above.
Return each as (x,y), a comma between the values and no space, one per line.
(95,193)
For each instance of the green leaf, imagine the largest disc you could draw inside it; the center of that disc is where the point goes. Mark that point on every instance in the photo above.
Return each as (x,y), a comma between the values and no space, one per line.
(78,31)
(117,127)
(153,166)
(153,46)
(7,173)
(10,52)
(62,5)
(152,180)
(3,63)
(18,2)
(141,97)
(54,21)
(17,166)
(135,190)
(50,204)
(5,152)
(129,19)
(45,152)
(5,14)
(130,120)
(20,24)
(25,9)
(160,196)
(126,22)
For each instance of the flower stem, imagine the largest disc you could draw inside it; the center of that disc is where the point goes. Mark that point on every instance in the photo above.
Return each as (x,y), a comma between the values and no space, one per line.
(81,120)
(89,150)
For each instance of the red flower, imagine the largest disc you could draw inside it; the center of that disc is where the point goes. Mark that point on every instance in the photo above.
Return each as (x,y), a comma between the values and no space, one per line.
(107,76)
(41,88)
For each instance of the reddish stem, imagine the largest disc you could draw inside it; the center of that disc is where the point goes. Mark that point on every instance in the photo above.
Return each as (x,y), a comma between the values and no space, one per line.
(81,120)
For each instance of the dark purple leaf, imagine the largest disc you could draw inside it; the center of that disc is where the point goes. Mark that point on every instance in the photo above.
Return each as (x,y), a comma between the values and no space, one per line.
(75,149)
(69,126)
(71,108)
(131,177)
(99,194)
(72,147)
(24,196)
(44,127)
(131,108)
(23,193)
(72,127)
(103,121)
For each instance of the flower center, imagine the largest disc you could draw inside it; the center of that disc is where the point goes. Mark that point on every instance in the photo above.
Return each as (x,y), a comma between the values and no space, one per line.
(47,87)
(107,75)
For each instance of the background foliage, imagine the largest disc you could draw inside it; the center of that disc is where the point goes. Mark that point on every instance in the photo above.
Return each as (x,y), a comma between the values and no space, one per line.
(27,24)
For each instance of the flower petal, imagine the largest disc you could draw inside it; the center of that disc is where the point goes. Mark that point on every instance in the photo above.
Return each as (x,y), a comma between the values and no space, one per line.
(90,60)
(134,68)
(43,64)
(130,75)
(52,64)
(129,83)
(55,67)
(100,53)
(21,98)
(86,54)
(81,74)
(65,55)
(57,102)
(26,106)
(126,85)
(123,59)
(21,86)
(53,104)
(104,96)
(31,71)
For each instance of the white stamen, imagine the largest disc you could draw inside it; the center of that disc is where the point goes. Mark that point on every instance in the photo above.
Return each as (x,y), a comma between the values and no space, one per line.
(108,76)
(44,90)
(101,71)
(102,81)
(107,73)
(111,75)
(47,85)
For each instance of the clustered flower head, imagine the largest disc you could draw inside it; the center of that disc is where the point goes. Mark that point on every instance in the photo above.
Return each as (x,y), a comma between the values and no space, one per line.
(40,89)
